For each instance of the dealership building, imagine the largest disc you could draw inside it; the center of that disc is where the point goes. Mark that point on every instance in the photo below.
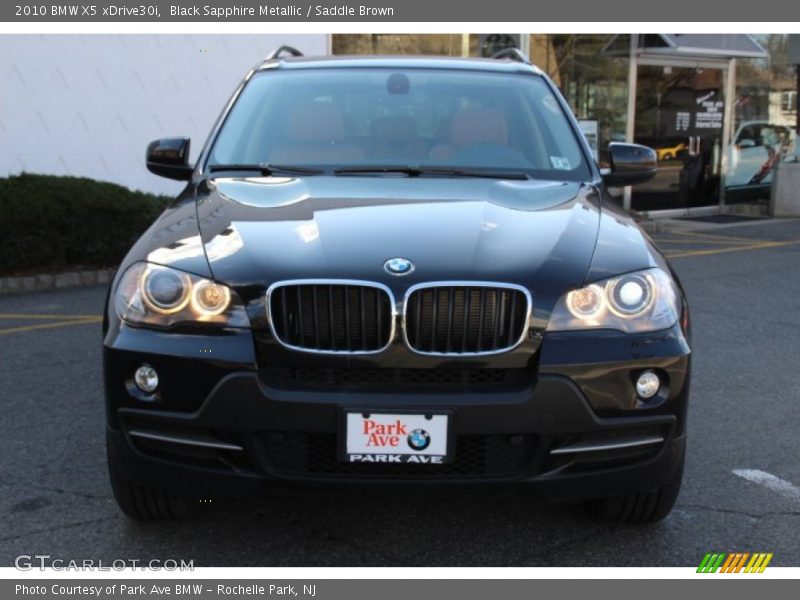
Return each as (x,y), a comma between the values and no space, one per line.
(720,109)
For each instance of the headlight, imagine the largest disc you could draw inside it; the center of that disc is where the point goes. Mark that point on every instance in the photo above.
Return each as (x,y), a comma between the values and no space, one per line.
(635,302)
(160,296)
(165,291)
(210,298)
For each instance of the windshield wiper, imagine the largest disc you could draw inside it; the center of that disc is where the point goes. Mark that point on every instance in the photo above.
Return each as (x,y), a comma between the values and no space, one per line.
(268,169)
(414,171)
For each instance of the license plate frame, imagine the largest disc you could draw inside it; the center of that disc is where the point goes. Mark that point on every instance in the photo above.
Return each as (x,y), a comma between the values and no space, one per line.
(435,419)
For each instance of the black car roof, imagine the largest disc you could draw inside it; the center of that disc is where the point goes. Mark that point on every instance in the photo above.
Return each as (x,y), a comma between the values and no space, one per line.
(401,62)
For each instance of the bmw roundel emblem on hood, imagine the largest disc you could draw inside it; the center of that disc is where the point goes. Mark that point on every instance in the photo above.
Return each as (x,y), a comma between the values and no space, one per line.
(398,266)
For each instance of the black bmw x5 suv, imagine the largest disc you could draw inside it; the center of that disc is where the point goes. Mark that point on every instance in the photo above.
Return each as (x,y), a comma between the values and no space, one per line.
(402,269)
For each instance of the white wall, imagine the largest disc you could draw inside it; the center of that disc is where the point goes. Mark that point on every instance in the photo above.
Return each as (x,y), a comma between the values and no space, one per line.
(87,105)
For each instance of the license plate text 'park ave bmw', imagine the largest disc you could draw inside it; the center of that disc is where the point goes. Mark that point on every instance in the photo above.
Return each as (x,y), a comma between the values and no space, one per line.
(396,438)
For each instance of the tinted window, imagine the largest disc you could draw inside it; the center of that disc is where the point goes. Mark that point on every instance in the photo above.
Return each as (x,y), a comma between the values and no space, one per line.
(334,118)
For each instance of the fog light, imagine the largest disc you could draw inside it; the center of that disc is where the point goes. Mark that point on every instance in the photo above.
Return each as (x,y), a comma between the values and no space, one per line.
(146,379)
(647,385)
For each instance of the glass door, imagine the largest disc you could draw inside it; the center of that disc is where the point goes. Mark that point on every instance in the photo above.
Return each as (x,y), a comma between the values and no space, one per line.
(680,113)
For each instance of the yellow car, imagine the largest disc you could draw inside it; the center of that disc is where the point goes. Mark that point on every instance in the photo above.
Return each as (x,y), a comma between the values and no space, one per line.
(670,152)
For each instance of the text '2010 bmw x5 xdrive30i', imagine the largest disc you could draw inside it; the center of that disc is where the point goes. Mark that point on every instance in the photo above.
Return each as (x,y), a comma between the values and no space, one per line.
(401,269)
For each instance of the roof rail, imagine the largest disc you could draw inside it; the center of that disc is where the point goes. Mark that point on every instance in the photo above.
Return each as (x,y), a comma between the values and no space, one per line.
(288,49)
(512,53)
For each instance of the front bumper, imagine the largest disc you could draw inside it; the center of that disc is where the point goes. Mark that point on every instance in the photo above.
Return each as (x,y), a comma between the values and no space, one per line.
(221,427)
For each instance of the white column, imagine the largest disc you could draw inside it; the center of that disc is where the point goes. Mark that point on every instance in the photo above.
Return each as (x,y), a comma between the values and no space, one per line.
(525,44)
(630,124)
(464,44)
(728,123)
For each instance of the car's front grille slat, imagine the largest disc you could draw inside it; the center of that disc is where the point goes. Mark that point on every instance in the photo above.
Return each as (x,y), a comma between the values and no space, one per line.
(434,314)
(347,318)
(480,318)
(331,316)
(315,304)
(450,309)
(465,319)
(331,332)
(378,319)
(498,316)
(363,316)
(299,301)
(418,320)
(512,309)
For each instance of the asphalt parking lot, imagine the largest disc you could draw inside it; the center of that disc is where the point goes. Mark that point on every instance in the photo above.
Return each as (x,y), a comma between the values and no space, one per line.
(741,489)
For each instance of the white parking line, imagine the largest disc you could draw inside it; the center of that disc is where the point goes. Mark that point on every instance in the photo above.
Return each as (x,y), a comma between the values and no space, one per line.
(769,481)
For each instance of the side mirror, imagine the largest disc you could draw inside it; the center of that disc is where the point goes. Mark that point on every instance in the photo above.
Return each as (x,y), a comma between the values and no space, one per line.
(746,143)
(169,157)
(629,164)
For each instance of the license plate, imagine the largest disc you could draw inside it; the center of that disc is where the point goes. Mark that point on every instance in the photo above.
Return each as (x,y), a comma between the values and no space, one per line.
(396,438)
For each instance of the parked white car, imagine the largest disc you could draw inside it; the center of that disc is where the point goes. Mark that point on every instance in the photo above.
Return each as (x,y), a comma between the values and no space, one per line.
(756,148)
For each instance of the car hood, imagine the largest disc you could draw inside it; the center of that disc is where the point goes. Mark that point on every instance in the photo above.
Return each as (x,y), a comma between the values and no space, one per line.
(256,231)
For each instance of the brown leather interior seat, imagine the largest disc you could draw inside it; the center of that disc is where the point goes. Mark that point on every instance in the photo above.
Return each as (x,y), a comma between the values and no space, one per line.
(314,133)
(471,127)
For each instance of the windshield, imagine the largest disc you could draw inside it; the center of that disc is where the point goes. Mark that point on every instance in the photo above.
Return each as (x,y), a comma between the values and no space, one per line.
(341,120)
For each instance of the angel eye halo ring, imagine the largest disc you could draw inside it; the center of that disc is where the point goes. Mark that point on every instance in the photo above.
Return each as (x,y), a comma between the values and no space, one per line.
(586,302)
(630,295)
(165,291)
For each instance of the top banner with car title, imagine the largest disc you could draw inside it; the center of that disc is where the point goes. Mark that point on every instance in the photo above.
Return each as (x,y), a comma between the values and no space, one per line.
(394,11)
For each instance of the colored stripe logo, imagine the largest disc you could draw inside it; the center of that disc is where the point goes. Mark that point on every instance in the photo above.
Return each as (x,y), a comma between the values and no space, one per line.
(735,562)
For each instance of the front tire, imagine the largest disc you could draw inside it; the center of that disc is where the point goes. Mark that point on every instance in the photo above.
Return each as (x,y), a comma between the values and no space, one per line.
(144,502)
(639,508)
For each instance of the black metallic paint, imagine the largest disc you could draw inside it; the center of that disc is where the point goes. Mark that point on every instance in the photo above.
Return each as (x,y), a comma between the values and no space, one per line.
(169,157)
(629,164)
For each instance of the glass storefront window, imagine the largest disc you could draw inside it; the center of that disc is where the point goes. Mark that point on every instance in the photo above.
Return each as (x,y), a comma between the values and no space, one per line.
(680,113)
(764,121)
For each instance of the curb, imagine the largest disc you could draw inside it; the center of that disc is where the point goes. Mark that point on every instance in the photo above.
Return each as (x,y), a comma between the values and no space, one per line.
(60,281)
(679,226)
(671,226)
